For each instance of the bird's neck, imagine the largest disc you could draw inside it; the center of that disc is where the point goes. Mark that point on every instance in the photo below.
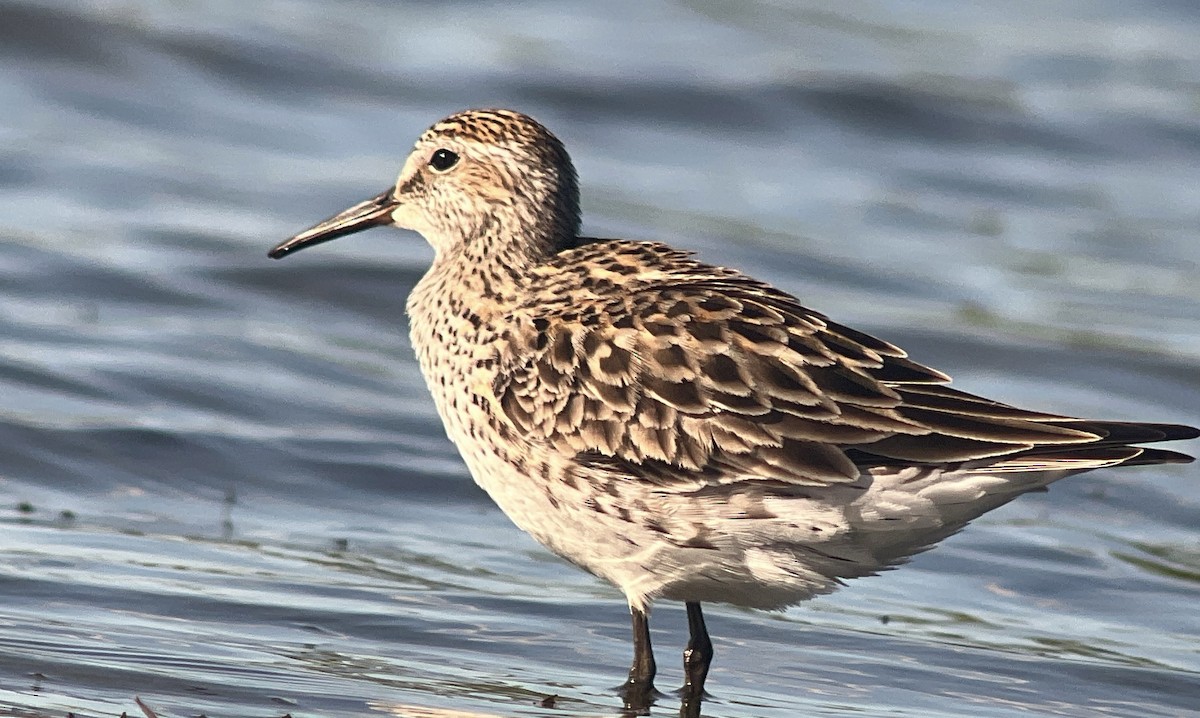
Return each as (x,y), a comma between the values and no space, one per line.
(461,307)
(492,264)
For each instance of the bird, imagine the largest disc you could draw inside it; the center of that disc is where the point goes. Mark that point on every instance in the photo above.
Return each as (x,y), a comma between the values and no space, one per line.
(680,429)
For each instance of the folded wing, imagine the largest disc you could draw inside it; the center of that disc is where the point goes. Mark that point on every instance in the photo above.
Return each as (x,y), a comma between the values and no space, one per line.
(717,379)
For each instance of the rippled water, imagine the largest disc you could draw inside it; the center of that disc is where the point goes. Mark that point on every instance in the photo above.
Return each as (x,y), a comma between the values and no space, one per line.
(223,487)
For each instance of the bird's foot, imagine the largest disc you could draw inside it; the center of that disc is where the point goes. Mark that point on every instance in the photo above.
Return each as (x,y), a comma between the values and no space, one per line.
(638,696)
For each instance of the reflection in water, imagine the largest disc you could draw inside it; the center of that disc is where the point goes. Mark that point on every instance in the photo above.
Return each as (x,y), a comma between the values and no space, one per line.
(227,514)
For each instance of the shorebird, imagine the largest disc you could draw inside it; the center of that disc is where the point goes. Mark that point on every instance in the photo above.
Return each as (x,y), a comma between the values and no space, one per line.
(679,429)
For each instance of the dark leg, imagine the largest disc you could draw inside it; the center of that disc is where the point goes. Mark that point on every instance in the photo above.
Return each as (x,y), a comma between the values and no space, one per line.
(638,691)
(697,657)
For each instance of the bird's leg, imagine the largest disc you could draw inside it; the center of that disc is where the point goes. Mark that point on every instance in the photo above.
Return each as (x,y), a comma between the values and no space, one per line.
(638,691)
(697,657)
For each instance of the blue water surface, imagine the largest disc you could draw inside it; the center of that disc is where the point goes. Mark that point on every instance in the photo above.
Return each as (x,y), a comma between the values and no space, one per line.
(223,487)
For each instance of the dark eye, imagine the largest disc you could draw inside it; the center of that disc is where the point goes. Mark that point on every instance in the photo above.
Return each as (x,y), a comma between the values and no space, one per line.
(443,160)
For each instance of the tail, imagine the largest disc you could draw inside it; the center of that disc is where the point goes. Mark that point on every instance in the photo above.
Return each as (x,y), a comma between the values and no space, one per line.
(1116,445)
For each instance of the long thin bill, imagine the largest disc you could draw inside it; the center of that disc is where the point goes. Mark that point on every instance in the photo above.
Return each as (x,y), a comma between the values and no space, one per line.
(364,215)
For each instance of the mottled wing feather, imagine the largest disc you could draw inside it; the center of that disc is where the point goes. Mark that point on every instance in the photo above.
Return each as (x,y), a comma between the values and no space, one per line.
(708,376)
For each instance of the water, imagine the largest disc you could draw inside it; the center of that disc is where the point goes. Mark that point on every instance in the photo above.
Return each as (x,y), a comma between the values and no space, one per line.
(223,487)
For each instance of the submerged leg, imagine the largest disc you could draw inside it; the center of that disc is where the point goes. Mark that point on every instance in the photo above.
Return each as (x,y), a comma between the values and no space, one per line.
(638,691)
(698,656)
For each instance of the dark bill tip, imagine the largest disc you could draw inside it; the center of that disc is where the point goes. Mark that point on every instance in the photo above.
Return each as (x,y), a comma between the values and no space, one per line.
(364,215)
